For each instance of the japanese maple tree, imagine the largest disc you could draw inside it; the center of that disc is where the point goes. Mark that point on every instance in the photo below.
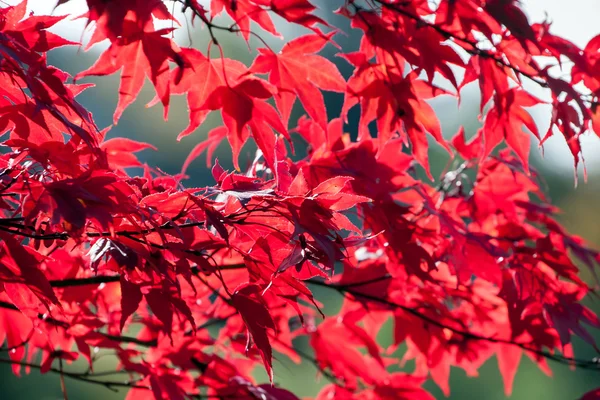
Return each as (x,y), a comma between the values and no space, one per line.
(191,288)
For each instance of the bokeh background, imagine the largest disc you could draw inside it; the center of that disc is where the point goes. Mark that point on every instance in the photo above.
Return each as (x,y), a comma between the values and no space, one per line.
(577,21)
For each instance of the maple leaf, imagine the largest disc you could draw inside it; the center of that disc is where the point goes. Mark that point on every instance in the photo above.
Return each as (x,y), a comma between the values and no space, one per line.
(596,120)
(119,151)
(25,267)
(139,54)
(506,120)
(131,296)
(461,18)
(298,12)
(297,72)
(242,13)
(250,304)
(341,338)
(111,18)
(566,316)
(214,138)
(200,80)
(393,102)
(32,31)
(508,363)
(244,111)
(15,327)
(509,14)
(471,150)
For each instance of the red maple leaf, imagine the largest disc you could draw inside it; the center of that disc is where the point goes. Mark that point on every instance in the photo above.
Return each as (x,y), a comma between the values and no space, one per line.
(506,120)
(199,80)
(139,54)
(297,72)
(245,111)
(250,304)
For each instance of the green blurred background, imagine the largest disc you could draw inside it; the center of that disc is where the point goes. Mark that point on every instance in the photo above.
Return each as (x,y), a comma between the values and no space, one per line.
(580,204)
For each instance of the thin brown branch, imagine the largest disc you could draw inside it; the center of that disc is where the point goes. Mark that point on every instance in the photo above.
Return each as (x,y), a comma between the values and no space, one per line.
(17,346)
(584,364)
(79,376)
(113,385)
(96,280)
(64,324)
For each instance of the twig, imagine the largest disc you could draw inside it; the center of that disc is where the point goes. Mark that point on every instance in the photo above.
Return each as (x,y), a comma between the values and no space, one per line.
(584,364)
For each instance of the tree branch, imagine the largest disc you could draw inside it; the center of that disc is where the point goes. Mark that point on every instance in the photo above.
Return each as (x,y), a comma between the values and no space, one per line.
(79,376)
(7,223)
(64,324)
(113,385)
(96,280)
(346,290)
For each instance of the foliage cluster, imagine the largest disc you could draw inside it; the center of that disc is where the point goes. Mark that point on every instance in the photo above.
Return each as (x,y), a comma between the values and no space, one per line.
(192,288)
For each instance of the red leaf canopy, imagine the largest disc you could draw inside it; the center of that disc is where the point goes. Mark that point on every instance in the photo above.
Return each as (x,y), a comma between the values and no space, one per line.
(335,241)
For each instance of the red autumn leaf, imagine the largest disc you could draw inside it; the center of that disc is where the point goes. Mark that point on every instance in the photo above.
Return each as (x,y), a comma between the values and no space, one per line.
(141,53)
(298,12)
(332,186)
(596,120)
(242,12)
(395,102)
(506,120)
(250,304)
(509,358)
(15,329)
(297,72)
(215,137)
(336,346)
(131,296)
(25,267)
(468,151)
(119,151)
(566,317)
(509,14)
(244,111)
(199,80)
(110,18)
(33,30)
